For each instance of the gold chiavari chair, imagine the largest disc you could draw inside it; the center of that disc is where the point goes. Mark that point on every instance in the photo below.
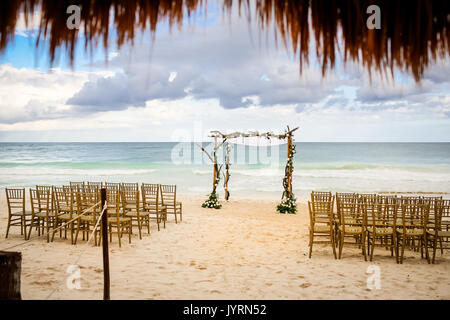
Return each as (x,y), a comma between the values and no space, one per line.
(151,203)
(89,208)
(321,223)
(132,209)
(17,215)
(65,200)
(116,220)
(169,200)
(41,215)
(351,224)
(342,197)
(439,234)
(414,217)
(381,224)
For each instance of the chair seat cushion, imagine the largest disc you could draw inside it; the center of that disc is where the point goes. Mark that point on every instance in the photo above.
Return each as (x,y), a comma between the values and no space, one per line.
(113,220)
(65,216)
(20,213)
(321,229)
(381,230)
(351,229)
(411,231)
(135,214)
(439,233)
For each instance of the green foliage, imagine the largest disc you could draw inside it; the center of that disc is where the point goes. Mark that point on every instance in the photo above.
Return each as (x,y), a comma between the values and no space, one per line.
(212,202)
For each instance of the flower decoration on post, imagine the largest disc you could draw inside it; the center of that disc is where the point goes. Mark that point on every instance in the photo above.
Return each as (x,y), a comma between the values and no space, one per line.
(288,202)
(213,201)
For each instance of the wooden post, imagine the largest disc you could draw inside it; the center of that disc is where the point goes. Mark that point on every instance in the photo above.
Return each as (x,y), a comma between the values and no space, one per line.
(106,295)
(227,174)
(10,269)
(215,163)
(288,157)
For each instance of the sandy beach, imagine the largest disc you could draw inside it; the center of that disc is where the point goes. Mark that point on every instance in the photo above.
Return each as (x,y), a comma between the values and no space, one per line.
(243,251)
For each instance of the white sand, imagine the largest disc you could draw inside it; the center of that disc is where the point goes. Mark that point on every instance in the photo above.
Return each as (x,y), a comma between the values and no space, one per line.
(243,251)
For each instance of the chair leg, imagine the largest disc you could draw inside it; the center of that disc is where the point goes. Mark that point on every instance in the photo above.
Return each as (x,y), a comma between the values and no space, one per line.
(181,212)
(311,237)
(47,229)
(129,231)
(425,240)
(434,248)
(332,243)
(341,244)
(175,213)
(119,233)
(139,227)
(158,219)
(403,249)
(9,225)
(363,245)
(373,245)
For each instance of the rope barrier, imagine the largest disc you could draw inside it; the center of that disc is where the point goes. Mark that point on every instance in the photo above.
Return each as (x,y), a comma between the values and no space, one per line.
(82,252)
(88,210)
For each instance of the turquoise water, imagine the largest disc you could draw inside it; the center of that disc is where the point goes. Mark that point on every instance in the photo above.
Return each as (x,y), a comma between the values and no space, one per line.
(344,167)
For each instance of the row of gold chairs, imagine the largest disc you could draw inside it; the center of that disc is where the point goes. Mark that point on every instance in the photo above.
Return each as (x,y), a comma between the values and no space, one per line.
(76,207)
(372,220)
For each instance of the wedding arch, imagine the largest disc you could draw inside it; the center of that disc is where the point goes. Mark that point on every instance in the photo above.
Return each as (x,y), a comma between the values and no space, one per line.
(288,202)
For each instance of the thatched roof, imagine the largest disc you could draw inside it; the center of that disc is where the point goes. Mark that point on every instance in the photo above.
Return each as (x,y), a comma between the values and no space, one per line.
(413,33)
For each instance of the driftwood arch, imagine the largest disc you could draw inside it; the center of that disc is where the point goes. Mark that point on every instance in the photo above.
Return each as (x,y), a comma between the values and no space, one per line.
(287,204)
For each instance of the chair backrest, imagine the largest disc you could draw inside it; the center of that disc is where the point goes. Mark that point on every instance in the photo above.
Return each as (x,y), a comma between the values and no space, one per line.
(150,194)
(414,214)
(347,210)
(112,186)
(367,197)
(442,214)
(114,203)
(345,195)
(321,211)
(319,196)
(77,185)
(433,201)
(98,184)
(130,198)
(88,200)
(15,199)
(64,200)
(129,186)
(40,200)
(168,193)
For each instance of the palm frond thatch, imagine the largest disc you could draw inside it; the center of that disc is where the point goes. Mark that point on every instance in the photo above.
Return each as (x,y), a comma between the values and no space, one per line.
(413,33)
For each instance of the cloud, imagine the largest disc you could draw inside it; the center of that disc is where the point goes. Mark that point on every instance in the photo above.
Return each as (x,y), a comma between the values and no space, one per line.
(30,95)
(210,65)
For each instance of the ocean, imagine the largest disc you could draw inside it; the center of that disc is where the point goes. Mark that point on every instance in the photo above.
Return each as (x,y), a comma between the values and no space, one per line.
(255,171)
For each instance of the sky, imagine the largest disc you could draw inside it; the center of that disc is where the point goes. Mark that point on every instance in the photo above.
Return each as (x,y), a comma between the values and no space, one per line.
(210,75)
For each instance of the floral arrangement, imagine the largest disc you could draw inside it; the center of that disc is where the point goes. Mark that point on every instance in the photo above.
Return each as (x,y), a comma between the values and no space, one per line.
(212,202)
(288,202)
(288,205)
